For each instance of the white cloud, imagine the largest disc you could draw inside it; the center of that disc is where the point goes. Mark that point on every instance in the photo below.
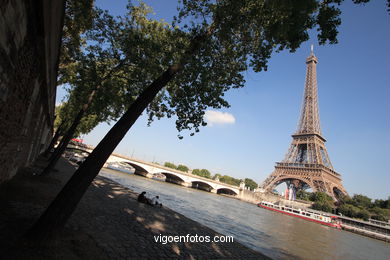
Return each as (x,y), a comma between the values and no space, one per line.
(218,118)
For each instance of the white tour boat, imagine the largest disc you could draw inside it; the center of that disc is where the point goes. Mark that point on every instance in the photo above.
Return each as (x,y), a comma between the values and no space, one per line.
(306,214)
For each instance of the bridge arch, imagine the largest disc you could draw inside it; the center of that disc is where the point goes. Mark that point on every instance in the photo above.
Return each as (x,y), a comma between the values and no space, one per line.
(202,186)
(139,170)
(226,191)
(173,178)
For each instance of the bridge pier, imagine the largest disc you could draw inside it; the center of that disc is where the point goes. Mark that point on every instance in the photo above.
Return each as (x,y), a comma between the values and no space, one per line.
(186,184)
(144,174)
(213,191)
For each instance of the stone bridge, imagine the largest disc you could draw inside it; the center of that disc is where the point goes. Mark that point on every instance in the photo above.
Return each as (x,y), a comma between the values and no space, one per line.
(147,169)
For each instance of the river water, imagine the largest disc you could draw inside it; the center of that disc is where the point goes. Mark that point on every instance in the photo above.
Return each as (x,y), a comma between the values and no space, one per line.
(274,234)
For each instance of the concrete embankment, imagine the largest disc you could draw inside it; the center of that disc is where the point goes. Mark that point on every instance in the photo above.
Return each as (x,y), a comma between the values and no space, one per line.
(366,233)
(108,224)
(379,231)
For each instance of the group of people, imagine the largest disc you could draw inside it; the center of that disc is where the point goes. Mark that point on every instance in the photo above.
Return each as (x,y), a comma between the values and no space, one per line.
(153,202)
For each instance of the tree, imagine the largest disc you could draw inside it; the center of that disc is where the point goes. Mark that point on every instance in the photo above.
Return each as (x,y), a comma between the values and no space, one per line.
(182,168)
(103,82)
(303,195)
(217,176)
(359,200)
(196,172)
(322,201)
(384,204)
(348,210)
(344,199)
(170,165)
(212,55)
(354,212)
(250,183)
(230,180)
(378,213)
(77,20)
(320,197)
(67,137)
(322,206)
(202,173)
(58,133)
(90,71)
(361,206)
(379,217)
(363,214)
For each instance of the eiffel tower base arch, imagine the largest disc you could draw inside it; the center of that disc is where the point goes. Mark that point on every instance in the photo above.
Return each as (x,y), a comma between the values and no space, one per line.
(317,177)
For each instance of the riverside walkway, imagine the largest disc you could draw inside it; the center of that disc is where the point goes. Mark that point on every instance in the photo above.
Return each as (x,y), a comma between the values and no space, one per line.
(108,223)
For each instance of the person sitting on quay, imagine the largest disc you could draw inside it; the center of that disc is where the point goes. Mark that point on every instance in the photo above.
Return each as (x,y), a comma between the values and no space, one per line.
(143,199)
(156,202)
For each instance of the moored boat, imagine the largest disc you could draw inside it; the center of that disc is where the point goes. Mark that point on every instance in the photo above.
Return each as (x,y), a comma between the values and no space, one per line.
(121,166)
(159,177)
(307,214)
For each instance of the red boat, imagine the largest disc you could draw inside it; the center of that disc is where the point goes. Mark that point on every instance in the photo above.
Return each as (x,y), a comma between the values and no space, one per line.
(307,214)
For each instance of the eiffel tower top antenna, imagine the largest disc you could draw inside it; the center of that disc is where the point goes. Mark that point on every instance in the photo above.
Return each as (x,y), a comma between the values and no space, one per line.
(309,122)
(312,49)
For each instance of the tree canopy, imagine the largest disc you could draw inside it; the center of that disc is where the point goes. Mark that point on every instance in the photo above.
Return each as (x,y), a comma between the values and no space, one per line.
(230,36)
(361,206)
(170,165)
(250,183)
(357,206)
(202,173)
(99,66)
(230,180)
(182,168)
(322,201)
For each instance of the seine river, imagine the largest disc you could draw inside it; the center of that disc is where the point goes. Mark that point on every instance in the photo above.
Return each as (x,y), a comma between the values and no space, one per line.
(276,235)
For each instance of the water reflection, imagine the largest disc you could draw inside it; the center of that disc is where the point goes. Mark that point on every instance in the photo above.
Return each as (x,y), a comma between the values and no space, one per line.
(274,234)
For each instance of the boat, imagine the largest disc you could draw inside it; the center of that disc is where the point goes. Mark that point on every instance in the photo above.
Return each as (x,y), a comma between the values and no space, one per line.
(75,155)
(159,177)
(307,214)
(121,166)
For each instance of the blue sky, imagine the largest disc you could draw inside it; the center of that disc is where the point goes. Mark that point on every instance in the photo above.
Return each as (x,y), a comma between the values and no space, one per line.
(353,81)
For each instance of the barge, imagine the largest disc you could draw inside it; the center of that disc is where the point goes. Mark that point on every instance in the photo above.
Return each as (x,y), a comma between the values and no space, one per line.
(310,215)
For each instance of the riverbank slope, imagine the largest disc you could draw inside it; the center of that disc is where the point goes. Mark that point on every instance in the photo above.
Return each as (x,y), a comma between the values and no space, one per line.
(108,223)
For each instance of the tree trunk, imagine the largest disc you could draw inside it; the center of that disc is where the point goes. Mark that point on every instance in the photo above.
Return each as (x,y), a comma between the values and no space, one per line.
(69,134)
(56,215)
(60,144)
(64,143)
(54,140)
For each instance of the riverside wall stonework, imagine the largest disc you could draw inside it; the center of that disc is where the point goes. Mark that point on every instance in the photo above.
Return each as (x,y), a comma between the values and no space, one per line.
(30,33)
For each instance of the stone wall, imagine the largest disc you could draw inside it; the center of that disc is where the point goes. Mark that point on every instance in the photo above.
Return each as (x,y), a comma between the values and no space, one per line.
(30,33)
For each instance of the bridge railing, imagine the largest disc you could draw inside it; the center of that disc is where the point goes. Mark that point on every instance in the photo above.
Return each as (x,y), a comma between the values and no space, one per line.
(174,170)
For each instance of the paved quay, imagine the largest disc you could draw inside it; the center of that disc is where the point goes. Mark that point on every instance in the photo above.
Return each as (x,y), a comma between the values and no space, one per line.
(108,223)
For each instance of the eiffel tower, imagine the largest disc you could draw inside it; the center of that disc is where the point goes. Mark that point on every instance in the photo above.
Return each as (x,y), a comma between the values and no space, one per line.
(307,164)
